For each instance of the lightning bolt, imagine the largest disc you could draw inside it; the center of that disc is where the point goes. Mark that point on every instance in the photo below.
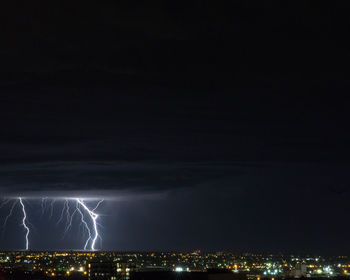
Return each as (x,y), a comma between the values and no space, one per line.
(86,227)
(94,218)
(67,215)
(65,205)
(24,222)
(43,205)
(51,207)
(10,213)
(69,218)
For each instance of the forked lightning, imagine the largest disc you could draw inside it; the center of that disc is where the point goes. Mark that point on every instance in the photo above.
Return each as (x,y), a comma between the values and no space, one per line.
(67,214)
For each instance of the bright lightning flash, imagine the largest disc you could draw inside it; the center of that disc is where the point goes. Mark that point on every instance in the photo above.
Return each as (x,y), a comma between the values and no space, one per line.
(24,222)
(80,207)
(93,217)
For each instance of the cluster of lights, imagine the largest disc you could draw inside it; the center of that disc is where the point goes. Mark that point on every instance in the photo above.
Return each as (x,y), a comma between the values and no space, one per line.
(68,263)
(272,272)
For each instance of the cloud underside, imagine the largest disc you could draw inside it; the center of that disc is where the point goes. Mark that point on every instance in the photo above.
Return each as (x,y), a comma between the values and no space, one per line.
(113,180)
(109,179)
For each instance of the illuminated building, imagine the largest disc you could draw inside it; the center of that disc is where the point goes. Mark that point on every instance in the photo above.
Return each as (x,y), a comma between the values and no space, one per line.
(101,270)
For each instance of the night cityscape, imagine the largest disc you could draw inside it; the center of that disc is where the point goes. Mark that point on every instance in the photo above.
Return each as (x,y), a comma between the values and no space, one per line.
(146,140)
(130,265)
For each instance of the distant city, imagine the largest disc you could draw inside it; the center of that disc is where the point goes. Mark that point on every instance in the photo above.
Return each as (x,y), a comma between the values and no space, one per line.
(168,265)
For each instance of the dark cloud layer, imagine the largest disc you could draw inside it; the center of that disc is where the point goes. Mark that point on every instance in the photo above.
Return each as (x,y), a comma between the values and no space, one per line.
(214,126)
(108,179)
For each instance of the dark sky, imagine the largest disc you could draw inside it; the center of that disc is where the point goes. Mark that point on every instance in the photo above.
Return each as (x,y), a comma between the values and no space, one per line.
(207,126)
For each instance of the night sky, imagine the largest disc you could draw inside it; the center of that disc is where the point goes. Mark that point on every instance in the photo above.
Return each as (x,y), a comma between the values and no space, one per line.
(204,125)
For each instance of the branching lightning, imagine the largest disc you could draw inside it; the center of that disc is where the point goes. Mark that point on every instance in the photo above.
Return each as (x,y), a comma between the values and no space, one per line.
(94,217)
(62,212)
(81,207)
(43,205)
(51,208)
(74,211)
(69,218)
(10,213)
(86,227)
(25,221)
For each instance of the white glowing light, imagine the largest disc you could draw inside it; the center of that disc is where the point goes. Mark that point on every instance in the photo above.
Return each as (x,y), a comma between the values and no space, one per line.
(179,269)
(24,220)
(93,217)
(86,227)
(71,207)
